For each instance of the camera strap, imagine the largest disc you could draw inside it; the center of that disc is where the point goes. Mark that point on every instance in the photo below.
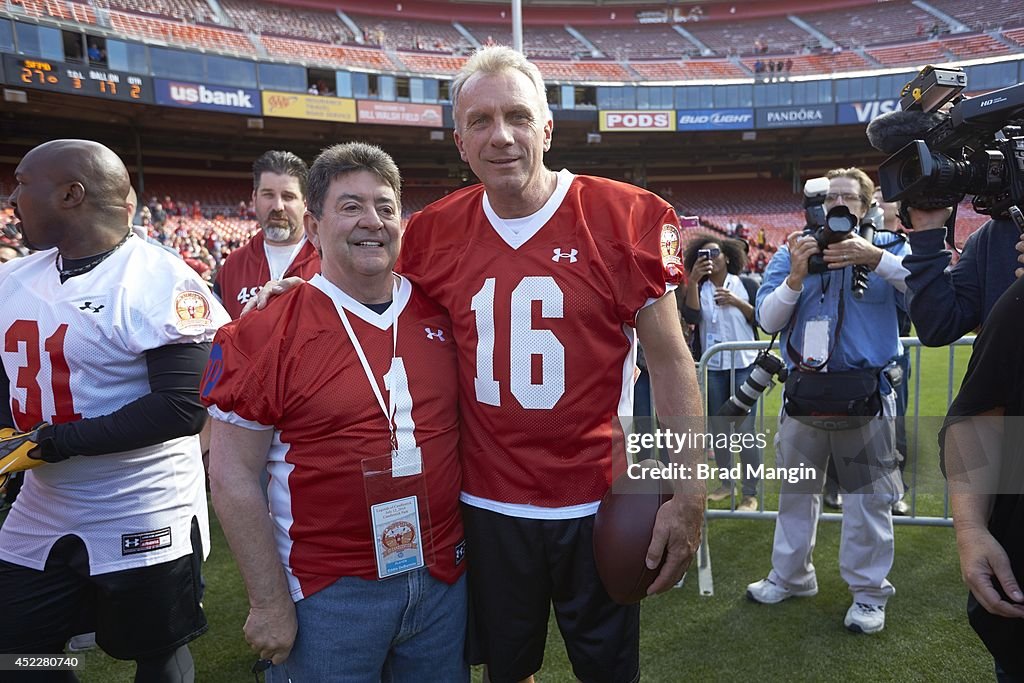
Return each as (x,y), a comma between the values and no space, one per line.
(796,357)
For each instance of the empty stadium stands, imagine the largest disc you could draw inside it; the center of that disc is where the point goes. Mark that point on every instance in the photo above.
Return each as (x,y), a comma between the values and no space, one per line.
(546,42)
(180,33)
(324,53)
(985,15)
(654,41)
(688,70)
(774,36)
(895,33)
(912,54)
(875,24)
(195,11)
(399,34)
(975,46)
(283,20)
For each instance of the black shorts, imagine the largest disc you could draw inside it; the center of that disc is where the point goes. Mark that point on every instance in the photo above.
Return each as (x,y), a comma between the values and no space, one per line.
(517,569)
(136,613)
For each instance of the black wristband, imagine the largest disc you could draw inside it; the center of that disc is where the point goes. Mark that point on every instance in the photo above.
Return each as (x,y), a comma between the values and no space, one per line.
(48,451)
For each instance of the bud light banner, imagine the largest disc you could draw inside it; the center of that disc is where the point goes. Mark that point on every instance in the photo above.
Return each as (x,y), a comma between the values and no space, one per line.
(209,97)
(806,116)
(864,112)
(715,119)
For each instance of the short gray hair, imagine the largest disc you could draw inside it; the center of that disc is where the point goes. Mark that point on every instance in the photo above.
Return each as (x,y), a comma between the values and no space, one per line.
(350,157)
(496,59)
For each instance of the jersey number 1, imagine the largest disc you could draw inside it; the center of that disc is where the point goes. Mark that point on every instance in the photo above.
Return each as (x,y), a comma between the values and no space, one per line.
(30,414)
(524,343)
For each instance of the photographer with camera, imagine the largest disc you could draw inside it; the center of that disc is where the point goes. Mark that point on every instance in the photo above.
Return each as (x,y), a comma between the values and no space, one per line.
(721,303)
(838,400)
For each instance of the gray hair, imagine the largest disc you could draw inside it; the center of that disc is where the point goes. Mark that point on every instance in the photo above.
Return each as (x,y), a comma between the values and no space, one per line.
(496,59)
(350,157)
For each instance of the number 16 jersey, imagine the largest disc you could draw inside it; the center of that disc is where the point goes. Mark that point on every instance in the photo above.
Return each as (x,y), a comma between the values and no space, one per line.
(543,310)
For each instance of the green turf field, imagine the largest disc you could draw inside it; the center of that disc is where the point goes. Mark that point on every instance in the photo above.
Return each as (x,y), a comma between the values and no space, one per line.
(687,637)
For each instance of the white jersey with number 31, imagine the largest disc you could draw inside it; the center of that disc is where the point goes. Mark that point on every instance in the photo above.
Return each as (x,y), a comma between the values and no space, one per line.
(76,350)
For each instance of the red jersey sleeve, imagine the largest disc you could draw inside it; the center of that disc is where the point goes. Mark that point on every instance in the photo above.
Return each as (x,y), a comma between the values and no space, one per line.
(655,260)
(242,373)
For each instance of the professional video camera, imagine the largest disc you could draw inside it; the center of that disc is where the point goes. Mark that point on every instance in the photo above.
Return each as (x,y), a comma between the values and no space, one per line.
(766,366)
(939,157)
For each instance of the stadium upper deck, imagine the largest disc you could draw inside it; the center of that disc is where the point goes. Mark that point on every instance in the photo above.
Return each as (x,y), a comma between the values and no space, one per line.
(605,42)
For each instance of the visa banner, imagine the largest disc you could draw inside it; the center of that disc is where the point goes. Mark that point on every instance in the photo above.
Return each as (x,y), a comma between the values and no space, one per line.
(863,112)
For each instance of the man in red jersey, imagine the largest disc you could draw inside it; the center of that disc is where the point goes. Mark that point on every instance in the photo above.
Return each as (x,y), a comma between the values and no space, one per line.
(280,248)
(345,391)
(549,278)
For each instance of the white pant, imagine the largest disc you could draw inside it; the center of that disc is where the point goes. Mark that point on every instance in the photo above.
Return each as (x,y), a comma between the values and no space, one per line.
(867,465)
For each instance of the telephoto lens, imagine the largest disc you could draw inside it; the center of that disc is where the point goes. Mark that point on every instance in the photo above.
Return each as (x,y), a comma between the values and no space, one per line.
(766,367)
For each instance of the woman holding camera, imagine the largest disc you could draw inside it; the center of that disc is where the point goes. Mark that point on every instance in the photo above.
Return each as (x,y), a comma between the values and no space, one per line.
(721,303)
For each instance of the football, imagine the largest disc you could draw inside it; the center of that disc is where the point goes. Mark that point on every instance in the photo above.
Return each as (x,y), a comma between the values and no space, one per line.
(622,533)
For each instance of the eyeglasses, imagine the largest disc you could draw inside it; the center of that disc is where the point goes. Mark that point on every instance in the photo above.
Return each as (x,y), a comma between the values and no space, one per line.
(848,197)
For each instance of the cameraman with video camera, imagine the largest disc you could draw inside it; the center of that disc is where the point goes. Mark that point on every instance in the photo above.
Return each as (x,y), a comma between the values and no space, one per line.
(839,332)
(942,147)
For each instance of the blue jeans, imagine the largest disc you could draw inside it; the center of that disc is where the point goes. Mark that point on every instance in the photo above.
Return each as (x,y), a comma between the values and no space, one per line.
(410,627)
(718,392)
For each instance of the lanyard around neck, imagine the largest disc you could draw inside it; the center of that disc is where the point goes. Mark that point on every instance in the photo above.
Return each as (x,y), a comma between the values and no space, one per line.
(389,408)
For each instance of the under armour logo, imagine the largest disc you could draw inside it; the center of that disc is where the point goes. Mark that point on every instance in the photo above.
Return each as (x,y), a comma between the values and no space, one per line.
(87,306)
(559,254)
(431,334)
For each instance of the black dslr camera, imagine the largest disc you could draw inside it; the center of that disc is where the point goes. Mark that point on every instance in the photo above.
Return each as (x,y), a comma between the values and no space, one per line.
(975,148)
(826,228)
(836,225)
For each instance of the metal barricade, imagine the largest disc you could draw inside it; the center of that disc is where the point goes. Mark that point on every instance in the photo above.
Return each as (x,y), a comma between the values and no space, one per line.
(912,346)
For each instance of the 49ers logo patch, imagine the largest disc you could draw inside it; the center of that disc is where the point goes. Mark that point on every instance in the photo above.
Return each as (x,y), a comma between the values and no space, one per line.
(193,312)
(671,249)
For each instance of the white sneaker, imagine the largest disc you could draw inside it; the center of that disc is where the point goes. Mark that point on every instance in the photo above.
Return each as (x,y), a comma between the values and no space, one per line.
(865,618)
(767,592)
(82,642)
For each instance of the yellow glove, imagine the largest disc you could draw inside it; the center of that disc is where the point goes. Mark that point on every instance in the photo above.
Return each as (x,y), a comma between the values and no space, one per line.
(14,452)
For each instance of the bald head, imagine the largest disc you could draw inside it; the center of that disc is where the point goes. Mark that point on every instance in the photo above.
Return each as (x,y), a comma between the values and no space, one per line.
(94,166)
(72,194)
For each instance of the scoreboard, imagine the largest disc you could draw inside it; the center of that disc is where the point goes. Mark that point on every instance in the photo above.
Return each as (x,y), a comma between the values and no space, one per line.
(77,79)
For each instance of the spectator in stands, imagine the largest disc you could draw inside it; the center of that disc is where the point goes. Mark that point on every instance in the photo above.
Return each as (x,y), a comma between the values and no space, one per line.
(111,528)
(758,67)
(280,249)
(789,65)
(720,302)
(8,252)
(313,89)
(760,263)
(945,302)
(314,562)
(983,451)
(836,346)
(94,53)
(532,536)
